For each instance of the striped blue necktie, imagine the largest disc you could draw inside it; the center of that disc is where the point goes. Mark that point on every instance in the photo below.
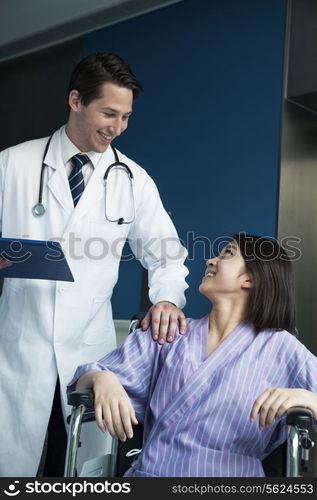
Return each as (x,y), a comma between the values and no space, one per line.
(76,178)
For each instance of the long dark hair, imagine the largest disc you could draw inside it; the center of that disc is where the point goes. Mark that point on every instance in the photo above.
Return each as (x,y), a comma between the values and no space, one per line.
(272,297)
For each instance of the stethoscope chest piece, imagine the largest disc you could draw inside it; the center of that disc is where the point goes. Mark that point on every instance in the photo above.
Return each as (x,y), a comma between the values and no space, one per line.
(38,210)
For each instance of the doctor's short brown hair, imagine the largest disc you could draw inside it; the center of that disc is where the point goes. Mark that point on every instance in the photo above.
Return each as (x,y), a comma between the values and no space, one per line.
(272,297)
(96,69)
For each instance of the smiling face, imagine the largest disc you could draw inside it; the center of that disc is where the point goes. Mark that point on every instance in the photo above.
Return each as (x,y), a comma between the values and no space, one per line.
(94,127)
(226,275)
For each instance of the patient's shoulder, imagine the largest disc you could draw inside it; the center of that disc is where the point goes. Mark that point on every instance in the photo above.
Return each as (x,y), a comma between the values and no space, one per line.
(193,327)
(194,324)
(286,344)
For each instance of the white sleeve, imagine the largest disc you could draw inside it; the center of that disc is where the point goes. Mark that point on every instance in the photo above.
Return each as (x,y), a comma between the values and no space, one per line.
(154,241)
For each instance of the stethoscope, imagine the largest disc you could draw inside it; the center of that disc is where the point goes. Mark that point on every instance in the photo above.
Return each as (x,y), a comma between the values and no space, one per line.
(38,210)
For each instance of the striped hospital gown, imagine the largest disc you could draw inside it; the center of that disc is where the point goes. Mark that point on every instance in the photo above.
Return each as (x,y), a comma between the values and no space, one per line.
(195,408)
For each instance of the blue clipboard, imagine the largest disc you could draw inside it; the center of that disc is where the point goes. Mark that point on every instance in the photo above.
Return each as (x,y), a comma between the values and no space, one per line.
(34,259)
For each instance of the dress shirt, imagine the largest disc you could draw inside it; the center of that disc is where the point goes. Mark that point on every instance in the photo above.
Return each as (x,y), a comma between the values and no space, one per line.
(69,150)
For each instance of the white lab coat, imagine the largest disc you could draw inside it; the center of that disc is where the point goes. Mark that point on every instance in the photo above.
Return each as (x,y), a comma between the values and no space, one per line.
(47,327)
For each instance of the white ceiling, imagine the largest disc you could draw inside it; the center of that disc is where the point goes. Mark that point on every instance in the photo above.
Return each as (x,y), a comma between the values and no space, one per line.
(29,25)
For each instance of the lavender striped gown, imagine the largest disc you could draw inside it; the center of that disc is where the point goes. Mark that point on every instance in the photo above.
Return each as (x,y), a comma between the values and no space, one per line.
(195,408)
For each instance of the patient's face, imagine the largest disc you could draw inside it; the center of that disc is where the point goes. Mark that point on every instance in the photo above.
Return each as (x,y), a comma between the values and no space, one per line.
(225,275)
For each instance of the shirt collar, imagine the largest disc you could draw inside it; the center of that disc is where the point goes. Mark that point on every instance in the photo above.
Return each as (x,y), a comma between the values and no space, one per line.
(69,150)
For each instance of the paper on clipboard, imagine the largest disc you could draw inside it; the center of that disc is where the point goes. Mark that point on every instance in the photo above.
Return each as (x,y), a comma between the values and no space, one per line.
(34,259)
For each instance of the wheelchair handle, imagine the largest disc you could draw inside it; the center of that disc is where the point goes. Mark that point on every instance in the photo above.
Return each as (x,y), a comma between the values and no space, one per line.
(301,417)
(84,397)
(299,442)
(135,322)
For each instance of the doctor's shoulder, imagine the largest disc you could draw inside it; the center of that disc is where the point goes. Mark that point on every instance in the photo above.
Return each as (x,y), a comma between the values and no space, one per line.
(140,175)
(23,152)
(145,187)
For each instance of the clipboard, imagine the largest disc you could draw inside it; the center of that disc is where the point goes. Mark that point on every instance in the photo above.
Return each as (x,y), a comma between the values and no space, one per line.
(34,259)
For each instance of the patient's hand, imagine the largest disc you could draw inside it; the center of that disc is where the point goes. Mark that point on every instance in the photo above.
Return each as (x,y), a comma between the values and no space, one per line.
(274,402)
(163,318)
(113,408)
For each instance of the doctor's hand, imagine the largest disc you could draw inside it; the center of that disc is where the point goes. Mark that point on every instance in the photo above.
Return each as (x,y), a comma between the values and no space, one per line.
(4,263)
(163,318)
(113,409)
(274,402)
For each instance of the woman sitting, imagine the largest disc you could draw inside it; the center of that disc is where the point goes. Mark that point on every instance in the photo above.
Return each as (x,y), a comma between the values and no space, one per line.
(212,402)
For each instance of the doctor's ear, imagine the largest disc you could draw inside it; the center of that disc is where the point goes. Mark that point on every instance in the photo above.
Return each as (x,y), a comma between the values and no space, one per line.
(74,100)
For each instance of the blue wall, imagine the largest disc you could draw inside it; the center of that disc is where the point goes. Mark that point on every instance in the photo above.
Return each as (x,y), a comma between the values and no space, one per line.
(207,127)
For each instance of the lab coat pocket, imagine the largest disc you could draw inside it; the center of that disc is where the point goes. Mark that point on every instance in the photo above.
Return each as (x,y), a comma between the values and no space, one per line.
(12,304)
(96,333)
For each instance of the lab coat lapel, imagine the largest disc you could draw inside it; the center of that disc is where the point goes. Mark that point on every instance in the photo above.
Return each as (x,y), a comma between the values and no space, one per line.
(58,181)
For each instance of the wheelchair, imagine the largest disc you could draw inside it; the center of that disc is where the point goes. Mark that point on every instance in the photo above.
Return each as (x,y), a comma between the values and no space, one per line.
(290,459)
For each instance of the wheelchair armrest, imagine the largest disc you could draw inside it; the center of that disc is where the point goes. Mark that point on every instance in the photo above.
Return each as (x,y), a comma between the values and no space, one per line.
(301,417)
(84,397)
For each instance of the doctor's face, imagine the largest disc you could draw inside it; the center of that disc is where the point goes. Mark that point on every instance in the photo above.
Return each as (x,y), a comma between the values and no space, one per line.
(226,274)
(94,127)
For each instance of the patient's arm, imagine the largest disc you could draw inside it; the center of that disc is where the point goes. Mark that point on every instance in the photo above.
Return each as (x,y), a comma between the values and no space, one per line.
(274,402)
(113,409)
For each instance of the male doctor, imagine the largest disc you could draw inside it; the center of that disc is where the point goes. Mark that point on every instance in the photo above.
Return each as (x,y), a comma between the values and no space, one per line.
(48,328)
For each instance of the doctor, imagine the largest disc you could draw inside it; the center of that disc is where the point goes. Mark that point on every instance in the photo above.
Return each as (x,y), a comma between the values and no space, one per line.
(48,328)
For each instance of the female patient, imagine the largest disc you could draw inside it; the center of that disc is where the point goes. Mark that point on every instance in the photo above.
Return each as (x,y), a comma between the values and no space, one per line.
(212,402)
